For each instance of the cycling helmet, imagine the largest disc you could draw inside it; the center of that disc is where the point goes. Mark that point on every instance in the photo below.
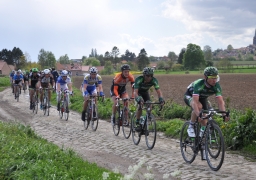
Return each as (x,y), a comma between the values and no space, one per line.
(19,71)
(93,70)
(148,71)
(34,70)
(46,71)
(64,73)
(125,67)
(211,71)
(13,71)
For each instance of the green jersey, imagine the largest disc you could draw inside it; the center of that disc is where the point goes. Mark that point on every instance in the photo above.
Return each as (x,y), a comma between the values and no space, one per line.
(144,87)
(198,88)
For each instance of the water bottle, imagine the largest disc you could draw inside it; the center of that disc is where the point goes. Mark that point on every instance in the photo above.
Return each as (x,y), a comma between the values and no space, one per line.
(142,120)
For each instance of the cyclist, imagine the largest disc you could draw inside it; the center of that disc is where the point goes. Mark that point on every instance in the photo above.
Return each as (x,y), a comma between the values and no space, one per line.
(197,94)
(89,88)
(44,82)
(11,78)
(18,79)
(33,79)
(63,83)
(142,85)
(55,75)
(118,89)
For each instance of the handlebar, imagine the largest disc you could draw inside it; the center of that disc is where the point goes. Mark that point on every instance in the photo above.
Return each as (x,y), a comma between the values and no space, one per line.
(148,103)
(211,112)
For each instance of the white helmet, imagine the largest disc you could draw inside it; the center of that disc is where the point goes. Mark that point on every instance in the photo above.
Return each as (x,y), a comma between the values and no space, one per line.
(46,71)
(19,71)
(93,70)
(64,73)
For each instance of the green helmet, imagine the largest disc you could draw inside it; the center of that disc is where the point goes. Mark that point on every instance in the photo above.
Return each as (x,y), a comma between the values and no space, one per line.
(211,71)
(34,70)
(148,71)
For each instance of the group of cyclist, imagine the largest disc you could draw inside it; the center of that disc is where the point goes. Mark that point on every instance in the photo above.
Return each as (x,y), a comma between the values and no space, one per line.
(195,96)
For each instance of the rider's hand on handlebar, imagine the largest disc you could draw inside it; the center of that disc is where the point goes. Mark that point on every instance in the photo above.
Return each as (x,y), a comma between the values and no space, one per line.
(226,118)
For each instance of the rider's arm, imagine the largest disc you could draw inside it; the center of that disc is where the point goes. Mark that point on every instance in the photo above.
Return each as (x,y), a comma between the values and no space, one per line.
(58,87)
(136,93)
(159,93)
(70,86)
(100,87)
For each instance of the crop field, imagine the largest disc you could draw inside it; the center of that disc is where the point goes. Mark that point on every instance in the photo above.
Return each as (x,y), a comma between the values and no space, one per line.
(239,90)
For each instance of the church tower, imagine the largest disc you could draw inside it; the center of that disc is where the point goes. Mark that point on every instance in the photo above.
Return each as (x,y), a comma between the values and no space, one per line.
(254,39)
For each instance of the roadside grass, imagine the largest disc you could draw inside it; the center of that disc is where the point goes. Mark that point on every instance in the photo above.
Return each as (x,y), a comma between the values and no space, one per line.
(4,83)
(24,155)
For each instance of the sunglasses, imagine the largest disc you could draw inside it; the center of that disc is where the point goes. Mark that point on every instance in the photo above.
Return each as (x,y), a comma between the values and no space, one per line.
(212,77)
(149,75)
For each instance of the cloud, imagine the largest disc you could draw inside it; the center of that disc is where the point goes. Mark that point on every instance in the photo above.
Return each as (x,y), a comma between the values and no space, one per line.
(223,21)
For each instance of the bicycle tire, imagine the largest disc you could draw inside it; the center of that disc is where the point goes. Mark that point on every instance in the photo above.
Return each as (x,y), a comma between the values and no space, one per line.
(94,122)
(17,95)
(215,161)
(126,119)
(187,145)
(66,110)
(150,131)
(61,110)
(36,104)
(136,136)
(116,126)
(87,119)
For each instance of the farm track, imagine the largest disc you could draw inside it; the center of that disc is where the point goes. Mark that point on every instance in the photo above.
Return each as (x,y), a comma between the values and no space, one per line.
(110,151)
(238,88)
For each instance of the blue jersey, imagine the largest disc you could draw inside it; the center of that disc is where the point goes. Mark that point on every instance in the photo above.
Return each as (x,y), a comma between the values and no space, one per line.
(91,83)
(63,82)
(12,75)
(17,77)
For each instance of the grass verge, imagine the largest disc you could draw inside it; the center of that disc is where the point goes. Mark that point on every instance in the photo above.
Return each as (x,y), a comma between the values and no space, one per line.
(24,155)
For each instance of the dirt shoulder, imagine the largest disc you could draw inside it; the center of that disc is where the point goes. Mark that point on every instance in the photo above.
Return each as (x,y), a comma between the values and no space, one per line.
(110,151)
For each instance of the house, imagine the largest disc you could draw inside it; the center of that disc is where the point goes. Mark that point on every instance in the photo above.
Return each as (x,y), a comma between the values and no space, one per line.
(5,69)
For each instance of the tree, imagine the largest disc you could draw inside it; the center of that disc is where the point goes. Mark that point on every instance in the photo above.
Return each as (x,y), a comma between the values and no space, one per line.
(101,59)
(108,68)
(107,56)
(143,60)
(193,57)
(92,61)
(128,56)
(46,59)
(207,53)
(182,51)
(114,55)
(92,53)
(64,59)
(230,47)
(172,56)
(6,55)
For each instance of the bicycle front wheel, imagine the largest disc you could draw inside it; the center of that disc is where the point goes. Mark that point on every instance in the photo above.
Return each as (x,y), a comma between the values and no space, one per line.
(126,123)
(214,147)
(150,132)
(87,118)
(187,144)
(116,126)
(135,135)
(95,119)
(66,110)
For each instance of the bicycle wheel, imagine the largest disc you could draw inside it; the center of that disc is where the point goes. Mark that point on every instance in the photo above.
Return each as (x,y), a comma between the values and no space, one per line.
(126,123)
(61,110)
(150,132)
(135,135)
(116,127)
(66,110)
(17,95)
(95,119)
(87,118)
(187,145)
(214,147)
(45,105)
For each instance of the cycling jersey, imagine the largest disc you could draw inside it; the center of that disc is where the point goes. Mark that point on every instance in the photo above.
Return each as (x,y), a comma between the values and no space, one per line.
(46,80)
(119,83)
(12,75)
(33,80)
(91,83)
(144,87)
(63,83)
(198,88)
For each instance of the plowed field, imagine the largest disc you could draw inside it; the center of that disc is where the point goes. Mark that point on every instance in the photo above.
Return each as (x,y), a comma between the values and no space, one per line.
(240,89)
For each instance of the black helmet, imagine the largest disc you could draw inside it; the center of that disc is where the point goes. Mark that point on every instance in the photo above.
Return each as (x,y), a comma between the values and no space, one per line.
(125,67)
(148,71)
(211,71)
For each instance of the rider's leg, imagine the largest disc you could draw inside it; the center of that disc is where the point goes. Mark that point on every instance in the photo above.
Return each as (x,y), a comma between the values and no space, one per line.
(85,104)
(49,95)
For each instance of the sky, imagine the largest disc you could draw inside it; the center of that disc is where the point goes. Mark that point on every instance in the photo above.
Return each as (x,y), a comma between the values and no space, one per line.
(75,27)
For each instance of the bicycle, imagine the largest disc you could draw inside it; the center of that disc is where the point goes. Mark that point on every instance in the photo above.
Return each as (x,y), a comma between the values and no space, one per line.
(34,100)
(46,107)
(24,86)
(64,109)
(210,143)
(92,114)
(148,125)
(17,91)
(122,118)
